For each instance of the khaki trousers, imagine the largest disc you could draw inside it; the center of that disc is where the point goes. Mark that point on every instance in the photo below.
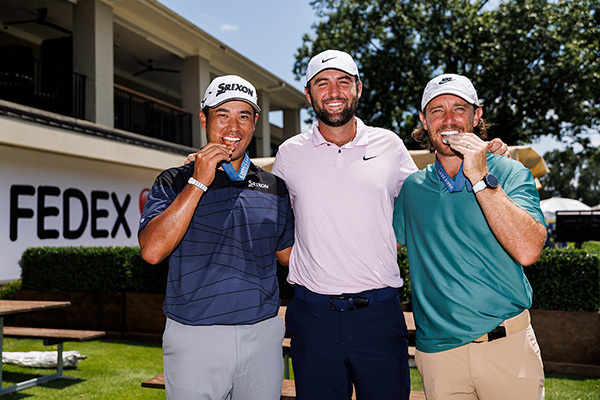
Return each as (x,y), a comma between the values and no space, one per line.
(509,368)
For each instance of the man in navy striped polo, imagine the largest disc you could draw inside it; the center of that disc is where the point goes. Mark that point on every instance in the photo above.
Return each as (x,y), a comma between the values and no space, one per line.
(223,222)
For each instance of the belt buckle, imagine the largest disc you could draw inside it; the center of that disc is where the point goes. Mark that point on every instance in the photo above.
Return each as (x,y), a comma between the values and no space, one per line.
(497,333)
(353,303)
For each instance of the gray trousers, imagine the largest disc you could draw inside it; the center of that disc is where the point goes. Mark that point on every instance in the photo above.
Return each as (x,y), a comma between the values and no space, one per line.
(221,362)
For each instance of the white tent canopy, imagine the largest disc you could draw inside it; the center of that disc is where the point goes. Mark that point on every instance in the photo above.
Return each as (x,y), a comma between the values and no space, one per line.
(554,204)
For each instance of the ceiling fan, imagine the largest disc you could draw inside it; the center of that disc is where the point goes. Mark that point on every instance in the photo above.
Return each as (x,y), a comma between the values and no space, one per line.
(41,20)
(151,68)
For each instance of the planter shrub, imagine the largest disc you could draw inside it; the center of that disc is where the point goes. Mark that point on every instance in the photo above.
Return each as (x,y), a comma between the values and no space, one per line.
(8,291)
(567,280)
(91,269)
(99,269)
(142,277)
(562,279)
(77,269)
(405,274)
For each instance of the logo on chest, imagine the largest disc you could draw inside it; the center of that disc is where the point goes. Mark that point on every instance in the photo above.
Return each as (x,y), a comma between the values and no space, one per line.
(252,184)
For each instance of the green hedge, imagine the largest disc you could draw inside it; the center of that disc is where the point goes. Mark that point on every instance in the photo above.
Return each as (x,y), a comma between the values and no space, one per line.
(404,273)
(91,269)
(565,280)
(562,279)
(8,291)
(116,269)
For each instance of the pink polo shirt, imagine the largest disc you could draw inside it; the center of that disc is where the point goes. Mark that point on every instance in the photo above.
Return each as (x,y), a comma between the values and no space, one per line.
(343,199)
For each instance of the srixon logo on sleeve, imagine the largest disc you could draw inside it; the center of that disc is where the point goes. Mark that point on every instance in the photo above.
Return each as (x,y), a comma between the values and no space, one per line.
(93,210)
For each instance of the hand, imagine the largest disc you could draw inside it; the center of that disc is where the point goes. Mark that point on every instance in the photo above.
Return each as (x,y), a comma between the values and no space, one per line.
(207,159)
(497,146)
(474,152)
(191,157)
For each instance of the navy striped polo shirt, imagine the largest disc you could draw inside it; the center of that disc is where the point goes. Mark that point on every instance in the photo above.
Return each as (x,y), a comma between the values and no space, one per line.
(224,270)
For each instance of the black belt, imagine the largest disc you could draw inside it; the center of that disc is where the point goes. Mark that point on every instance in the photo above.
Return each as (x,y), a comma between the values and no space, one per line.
(514,324)
(346,301)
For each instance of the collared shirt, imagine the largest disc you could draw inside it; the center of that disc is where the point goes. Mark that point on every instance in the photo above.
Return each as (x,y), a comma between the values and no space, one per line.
(223,272)
(343,200)
(463,282)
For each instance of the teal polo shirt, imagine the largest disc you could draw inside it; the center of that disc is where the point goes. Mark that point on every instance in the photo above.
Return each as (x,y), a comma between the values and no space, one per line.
(463,282)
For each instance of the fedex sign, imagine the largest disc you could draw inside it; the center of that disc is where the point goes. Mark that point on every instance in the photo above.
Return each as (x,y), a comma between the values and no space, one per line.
(63,200)
(92,211)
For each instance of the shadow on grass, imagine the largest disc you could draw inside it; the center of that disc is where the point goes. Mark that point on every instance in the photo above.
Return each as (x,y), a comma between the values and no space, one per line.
(12,378)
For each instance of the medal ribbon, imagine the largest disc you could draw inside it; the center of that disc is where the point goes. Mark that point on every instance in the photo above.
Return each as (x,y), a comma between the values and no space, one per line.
(240,175)
(453,185)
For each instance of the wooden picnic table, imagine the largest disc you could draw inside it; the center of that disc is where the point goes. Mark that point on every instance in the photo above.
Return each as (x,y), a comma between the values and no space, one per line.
(11,307)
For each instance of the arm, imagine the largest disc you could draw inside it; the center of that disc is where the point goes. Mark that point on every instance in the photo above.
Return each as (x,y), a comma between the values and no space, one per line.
(160,237)
(522,236)
(163,234)
(283,256)
(519,233)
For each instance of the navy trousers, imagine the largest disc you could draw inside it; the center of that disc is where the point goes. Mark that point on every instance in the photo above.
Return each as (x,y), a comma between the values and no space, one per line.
(332,350)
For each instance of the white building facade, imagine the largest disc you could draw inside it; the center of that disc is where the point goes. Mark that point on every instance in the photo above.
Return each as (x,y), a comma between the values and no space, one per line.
(96,98)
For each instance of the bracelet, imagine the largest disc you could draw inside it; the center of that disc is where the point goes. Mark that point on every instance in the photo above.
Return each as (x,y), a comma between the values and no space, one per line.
(198,184)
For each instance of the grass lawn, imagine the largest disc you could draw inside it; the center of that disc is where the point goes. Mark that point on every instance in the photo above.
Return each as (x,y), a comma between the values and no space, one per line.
(115,370)
(112,370)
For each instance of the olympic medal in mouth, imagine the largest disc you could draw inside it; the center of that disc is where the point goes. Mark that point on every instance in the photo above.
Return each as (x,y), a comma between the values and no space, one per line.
(231,141)
(446,135)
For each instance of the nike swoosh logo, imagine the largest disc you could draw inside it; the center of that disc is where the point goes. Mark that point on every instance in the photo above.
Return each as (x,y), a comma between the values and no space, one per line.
(365,158)
(327,59)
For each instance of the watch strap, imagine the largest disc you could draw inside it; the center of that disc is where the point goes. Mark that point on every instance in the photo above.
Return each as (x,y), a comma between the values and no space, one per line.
(198,184)
(479,186)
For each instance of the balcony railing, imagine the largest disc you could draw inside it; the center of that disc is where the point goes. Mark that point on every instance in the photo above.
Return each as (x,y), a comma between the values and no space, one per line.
(50,86)
(42,86)
(138,113)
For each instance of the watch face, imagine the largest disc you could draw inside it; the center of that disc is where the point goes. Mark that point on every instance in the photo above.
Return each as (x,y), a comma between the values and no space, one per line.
(491,181)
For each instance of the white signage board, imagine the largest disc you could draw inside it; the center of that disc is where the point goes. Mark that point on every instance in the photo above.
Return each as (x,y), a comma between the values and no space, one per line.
(51,199)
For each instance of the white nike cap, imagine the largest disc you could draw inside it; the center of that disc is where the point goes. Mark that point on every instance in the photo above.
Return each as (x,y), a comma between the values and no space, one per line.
(331,59)
(229,87)
(457,85)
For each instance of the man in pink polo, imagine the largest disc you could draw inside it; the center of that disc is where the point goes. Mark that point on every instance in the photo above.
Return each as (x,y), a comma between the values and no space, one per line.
(346,322)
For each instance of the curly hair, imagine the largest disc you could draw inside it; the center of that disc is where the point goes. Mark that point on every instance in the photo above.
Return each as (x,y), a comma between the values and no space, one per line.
(421,135)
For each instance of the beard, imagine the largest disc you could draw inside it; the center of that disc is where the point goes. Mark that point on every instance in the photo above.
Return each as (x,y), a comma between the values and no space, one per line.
(336,120)
(440,146)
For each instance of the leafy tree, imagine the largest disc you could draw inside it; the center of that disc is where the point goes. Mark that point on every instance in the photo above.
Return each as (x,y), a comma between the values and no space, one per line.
(573,175)
(536,63)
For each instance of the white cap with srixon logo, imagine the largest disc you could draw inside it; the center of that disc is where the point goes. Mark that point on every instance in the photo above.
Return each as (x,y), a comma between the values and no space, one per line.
(457,85)
(331,59)
(229,87)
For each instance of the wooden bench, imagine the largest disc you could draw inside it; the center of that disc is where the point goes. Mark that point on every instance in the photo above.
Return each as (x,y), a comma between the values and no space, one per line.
(157,382)
(288,388)
(50,337)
